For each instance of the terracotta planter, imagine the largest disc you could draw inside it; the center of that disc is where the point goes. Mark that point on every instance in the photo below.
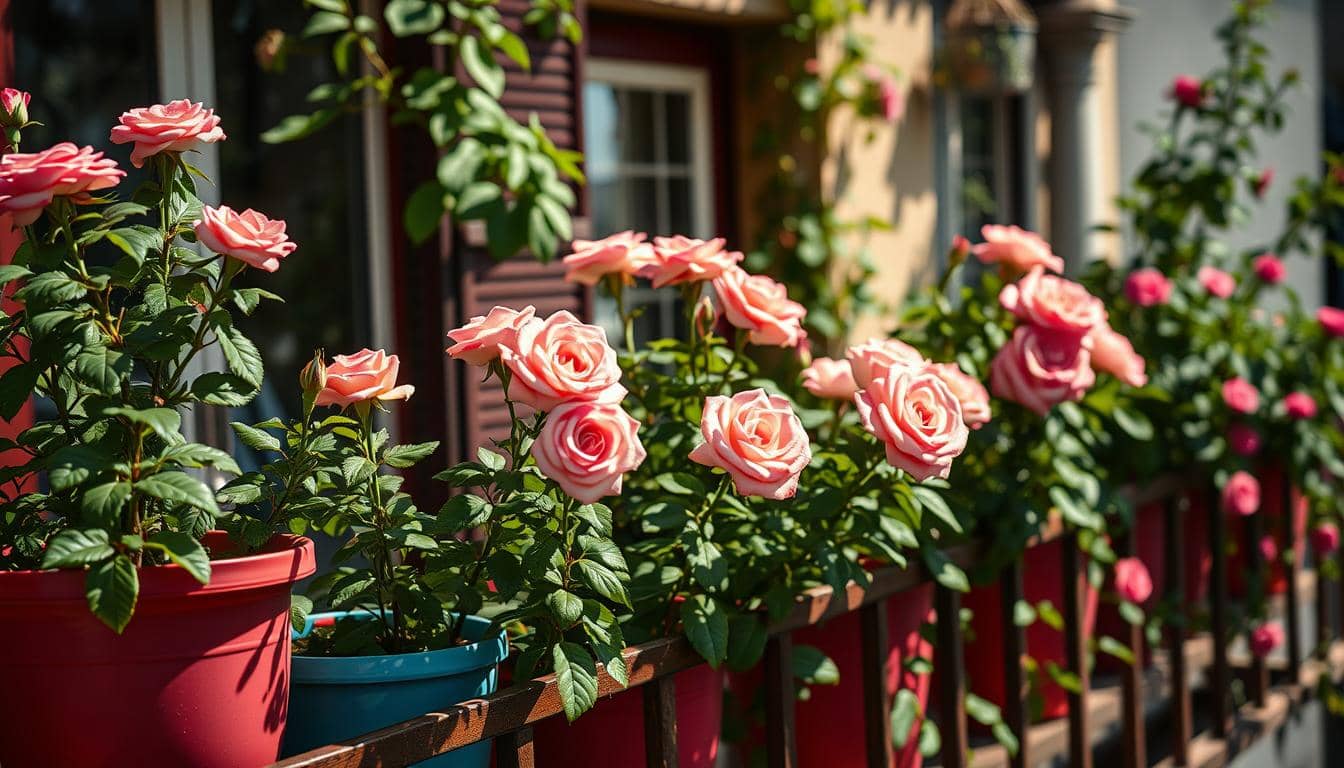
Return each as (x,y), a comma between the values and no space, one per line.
(1272,482)
(984,652)
(199,678)
(611,734)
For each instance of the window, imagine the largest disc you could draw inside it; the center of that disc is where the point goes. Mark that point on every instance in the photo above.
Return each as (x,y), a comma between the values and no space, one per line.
(647,146)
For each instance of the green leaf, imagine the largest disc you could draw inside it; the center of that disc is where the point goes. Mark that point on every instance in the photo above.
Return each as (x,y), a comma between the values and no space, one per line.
(598,516)
(706,627)
(51,287)
(944,571)
(180,488)
(747,634)
(71,465)
(482,67)
(603,581)
(708,565)
(75,547)
(103,369)
(459,167)
(424,210)
(492,461)
(111,588)
(240,353)
(576,677)
(197,455)
(295,127)
(931,501)
(357,470)
(184,550)
(1023,614)
(217,388)
(102,504)
(138,241)
(248,299)
(256,439)
(567,608)
(324,23)
(905,710)
(681,484)
(1134,423)
(165,422)
(413,17)
(1110,645)
(478,199)
(814,667)
(402,456)
(299,608)
(982,711)
(17,385)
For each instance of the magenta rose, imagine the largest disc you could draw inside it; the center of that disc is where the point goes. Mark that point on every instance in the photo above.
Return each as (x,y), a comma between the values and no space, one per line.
(1269,268)
(1269,548)
(1187,91)
(1040,369)
(918,420)
(1330,318)
(249,236)
(587,448)
(1262,181)
(624,253)
(1132,580)
(1243,439)
(1147,287)
(177,126)
(1241,494)
(830,379)
(1016,248)
(29,182)
(1241,395)
(559,360)
(681,259)
(1325,538)
(366,375)
(1216,281)
(14,104)
(1113,354)
(761,307)
(757,439)
(876,357)
(1053,302)
(478,342)
(969,392)
(1265,638)
(1299,405)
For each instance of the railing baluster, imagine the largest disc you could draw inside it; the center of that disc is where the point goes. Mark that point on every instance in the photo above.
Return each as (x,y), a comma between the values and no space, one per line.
(876,702)
(1075,650)
(1015,685)
(514,749)
(1131,684)
(1291,571)
(1218,678)
(660,723)
(781,747)
(1259,581)
(1174,565)
(951,666)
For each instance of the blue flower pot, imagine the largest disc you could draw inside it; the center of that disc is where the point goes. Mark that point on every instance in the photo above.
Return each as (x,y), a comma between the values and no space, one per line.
(332,698)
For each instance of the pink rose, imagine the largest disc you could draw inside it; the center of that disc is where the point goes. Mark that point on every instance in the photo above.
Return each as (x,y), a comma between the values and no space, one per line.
(249,236)
(1299,405)
(1325,538)
(624,253)
(1053,302)
(1040,369)
(1241,494)
(1269,548)
(682,259)
(1132,580)
(29,182)
(760,306)
(1241,395)
(876,357)
(1016,248)
(1216,281)
(1243,439)
(830,379)
(918,420)
(1262,182)
(586,448)
(1330,318)
(177,126)
(890,97)
(1112,353)
(757,439)
(14,103)
(961,248)
(1187,91)
(1147,287)
(560,360)
(968,390)
(1265,638)
(478,342)
(365,375)
(1269,268)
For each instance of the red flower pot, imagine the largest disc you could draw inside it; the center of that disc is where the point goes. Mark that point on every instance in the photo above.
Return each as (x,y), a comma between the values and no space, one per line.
(200,677)
(1272,480)
(1041,580)
(611,734)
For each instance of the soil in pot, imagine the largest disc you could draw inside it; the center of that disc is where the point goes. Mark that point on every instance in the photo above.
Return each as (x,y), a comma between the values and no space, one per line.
(199,678)
(339,697)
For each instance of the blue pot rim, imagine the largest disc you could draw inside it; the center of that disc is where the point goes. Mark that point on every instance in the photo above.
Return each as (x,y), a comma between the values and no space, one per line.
(372,670)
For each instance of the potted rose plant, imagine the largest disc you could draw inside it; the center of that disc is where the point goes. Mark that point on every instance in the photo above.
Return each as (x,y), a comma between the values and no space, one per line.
(114,583)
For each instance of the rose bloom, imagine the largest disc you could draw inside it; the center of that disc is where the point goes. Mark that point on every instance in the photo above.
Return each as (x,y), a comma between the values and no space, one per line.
(1053,302)
(918,420)
(961,248)
(586,448)
(1132,580)
(249,236)
(1269,268)
(29,182)
(890,97)
(366,375)
(682,259)
(1241,395)
(15,105)
(478,342)
(1262,182)
(1330,318)
(1265,638)
(1147,287)
(1216,281)
(757,439)
(624,253)
(969,392)
(1112,353)
(1269,548)
(1299,405)
(1243,439)
(830,379)
(1325,538)
(177,126)
(1040,369)
(1187,91)
(760,306)
(1241,494)
(1016,248)
(876,357)
(559,360)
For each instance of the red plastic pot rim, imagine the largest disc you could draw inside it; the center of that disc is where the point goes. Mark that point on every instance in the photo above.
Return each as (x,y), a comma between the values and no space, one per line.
(283,560)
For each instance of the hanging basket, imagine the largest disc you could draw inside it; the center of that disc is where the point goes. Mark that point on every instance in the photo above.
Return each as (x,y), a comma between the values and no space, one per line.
(989,47)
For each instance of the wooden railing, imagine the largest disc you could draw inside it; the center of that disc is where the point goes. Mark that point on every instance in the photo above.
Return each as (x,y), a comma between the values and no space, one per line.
(507,716)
